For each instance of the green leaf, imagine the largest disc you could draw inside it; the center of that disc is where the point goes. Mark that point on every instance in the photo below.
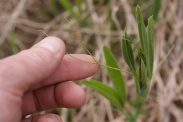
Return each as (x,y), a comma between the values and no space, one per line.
(138,81)
(128,53)
(141,55)
(141,28)
(150,32)
(144,40)
(105,91)
(144,84)
(115,75)
(143,75)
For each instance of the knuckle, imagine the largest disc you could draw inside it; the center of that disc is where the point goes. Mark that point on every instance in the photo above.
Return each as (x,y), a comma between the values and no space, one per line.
(36,58)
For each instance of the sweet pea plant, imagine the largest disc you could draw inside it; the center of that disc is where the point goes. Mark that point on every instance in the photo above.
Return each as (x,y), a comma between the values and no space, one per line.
(142,72)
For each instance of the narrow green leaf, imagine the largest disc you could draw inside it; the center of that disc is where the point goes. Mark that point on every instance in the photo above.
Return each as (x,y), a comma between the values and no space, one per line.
(150,31)
(144,40)
(128,53)
(144,84)
(105,91)
(141,29)
(141,55)
(142,75)
(115,75)
(138,82)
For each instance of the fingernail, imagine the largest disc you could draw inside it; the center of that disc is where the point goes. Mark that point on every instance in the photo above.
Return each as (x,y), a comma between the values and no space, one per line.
(51,43)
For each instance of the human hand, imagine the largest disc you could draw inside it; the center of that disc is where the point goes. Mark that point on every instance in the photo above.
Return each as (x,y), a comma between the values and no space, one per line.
(39,79)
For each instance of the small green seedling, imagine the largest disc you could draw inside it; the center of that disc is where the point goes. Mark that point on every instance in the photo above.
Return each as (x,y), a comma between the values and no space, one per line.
(142,72)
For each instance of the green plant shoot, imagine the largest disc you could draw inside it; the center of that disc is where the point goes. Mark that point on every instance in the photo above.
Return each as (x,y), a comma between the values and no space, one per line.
(142,72)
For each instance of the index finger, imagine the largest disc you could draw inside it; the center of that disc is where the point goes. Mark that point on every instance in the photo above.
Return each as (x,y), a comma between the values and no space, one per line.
(71,69)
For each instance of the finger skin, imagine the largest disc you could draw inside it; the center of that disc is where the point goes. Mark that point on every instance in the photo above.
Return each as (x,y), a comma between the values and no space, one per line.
(30,66)
(44,118)
(19,72)
(71,69)
(65,94)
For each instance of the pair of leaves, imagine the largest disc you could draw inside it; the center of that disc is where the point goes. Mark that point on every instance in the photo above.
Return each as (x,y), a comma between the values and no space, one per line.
(146,40)
(116,95)
(145,57)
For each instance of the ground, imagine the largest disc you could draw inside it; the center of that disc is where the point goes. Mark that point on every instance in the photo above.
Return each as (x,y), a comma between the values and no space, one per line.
(101,23)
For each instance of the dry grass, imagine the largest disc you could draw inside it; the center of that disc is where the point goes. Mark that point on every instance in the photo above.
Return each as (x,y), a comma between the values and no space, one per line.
(165,103)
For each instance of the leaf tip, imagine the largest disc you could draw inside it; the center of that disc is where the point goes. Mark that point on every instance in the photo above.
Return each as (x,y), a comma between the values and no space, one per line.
(138,8)
(151,18)
(105,48)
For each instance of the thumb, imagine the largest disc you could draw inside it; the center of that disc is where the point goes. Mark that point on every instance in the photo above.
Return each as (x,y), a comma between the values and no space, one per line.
(29,67)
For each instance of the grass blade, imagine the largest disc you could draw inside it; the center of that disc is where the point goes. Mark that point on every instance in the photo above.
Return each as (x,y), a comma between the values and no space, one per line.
(141,28)
(150,34)
(105,91)
(143,83)
(115,75)
(144,40)
(141,54)
(139,82)
(128,53)
(143,76)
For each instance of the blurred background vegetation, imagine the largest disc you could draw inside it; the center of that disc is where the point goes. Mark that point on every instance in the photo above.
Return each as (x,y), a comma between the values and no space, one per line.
(101,23)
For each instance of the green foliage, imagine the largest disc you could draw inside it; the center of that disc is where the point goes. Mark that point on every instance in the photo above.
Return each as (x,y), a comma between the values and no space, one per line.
(142,73)
(128,53)
(115,75)
(106,91)
(150,35)
(152,9)
(146,42)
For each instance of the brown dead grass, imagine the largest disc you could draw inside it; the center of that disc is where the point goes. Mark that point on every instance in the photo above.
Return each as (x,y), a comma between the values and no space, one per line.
(165,102)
